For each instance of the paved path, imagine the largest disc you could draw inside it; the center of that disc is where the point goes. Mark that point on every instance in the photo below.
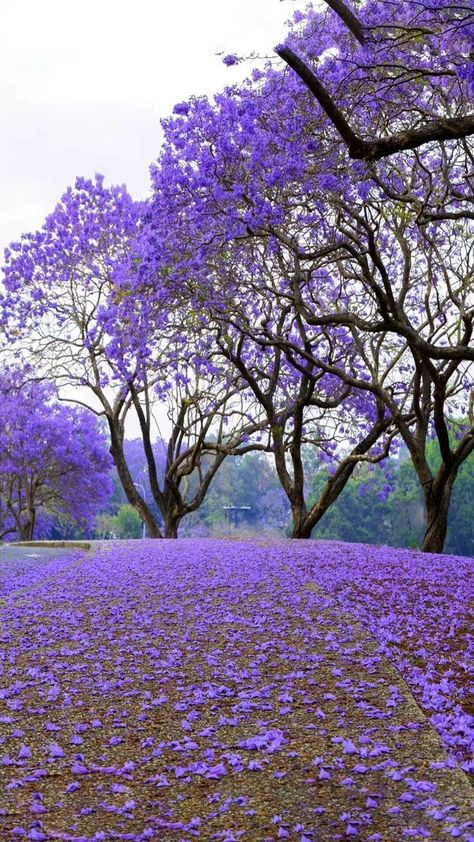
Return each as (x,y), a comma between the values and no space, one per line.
(26,566)
(29,555)
(182,690)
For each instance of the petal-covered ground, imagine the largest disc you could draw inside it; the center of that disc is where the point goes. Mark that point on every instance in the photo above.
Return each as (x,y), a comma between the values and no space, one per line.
(176,690)
(420,608)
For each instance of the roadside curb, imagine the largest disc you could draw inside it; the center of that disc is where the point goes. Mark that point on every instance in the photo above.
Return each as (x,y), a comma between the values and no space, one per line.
(73,545)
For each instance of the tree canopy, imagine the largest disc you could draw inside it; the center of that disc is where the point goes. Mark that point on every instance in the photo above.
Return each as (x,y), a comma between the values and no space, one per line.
(300,274)
(54,464)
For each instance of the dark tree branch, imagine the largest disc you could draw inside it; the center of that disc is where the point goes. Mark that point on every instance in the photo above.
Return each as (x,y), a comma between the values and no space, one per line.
(352,141)
(347,15)
(433,217)
(450,128)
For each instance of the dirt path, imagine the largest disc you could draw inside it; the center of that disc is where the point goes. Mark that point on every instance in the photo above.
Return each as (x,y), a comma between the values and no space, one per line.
(179,690)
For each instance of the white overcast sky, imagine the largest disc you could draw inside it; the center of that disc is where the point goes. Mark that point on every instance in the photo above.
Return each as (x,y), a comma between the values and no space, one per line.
(84,84)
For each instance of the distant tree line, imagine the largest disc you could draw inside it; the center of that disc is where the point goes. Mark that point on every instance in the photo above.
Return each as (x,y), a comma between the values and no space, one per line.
(387,508)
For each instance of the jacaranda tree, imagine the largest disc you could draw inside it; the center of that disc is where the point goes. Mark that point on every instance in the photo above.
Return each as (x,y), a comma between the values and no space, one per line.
(54,463)
(371,246)
(70,306)
(57,282)
(305,405)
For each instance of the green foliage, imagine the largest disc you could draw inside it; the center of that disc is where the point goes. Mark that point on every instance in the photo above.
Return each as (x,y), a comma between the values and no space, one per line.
(376,511)
(127,523)
(359,515)
(248,480)
(460,538)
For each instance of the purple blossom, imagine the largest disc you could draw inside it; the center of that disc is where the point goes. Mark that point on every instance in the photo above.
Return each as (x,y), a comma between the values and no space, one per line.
(230,60)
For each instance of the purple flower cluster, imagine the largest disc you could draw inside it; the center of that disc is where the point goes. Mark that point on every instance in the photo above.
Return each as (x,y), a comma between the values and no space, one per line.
(230,60)
(180,690)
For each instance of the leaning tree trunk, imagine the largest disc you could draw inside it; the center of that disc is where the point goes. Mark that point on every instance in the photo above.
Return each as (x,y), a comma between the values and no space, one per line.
(133,497)
(437,509)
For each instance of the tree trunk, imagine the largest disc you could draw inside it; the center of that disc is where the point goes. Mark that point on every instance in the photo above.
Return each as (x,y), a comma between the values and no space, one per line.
(301,532)
(171,526)
(32,524)
(133,497)
(27,529)
(300,521)
(437,510)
